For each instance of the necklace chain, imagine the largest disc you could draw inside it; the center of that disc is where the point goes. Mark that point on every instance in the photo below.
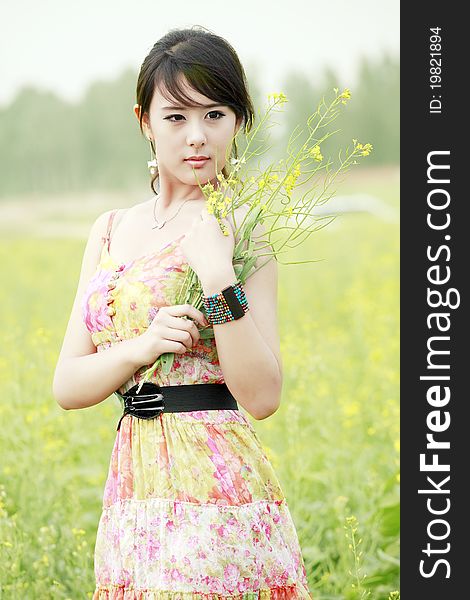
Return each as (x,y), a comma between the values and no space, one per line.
(160,225)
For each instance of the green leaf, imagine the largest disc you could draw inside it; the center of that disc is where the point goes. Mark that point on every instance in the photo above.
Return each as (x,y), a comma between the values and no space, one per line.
(238,269)
(167,362)
(239,247)
(248,265)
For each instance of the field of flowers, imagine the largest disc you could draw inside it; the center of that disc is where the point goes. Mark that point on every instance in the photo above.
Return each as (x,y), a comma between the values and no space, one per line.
(334,441)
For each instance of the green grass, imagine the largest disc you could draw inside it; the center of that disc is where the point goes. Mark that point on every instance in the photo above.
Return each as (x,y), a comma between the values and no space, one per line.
(334,442)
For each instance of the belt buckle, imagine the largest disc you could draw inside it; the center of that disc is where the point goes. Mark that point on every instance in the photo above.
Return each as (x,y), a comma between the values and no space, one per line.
(142,405)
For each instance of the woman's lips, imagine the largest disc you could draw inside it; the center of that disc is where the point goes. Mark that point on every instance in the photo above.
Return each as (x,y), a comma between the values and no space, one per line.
(197,164)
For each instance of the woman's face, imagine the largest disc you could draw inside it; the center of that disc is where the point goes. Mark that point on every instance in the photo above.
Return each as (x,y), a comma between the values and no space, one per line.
(183,132)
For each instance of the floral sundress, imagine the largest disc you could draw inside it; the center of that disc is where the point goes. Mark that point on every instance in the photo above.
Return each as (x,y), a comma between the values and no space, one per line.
(192,508)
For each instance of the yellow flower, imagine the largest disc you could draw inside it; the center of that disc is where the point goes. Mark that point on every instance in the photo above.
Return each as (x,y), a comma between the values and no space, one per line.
(315,153)
(208,187)
(232,181)
(345,94)
(289,183)
(278,98)
(291,179)
(366,149)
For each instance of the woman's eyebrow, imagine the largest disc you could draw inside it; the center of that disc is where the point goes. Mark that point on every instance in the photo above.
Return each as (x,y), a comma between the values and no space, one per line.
(186,107)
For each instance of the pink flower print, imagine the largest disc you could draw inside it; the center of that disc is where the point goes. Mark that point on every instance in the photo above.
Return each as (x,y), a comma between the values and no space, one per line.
(126,578)
(215,585)
(216,494)
(170,525)
(255,529)
(93,303)
(244,495)
(133,306)
(178,509)
(243,586)
(223,476)
(176,575)
(284,577)
(153,549)
(231,577)
(212,445)
(267,529)
(222,531)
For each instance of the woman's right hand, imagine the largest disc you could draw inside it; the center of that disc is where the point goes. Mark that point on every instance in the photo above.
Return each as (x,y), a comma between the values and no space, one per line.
(170,331)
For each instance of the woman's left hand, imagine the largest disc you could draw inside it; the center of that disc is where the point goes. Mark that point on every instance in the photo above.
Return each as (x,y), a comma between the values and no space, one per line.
(206,248)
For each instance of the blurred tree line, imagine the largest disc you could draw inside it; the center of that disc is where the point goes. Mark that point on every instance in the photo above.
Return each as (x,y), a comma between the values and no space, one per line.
(48,145)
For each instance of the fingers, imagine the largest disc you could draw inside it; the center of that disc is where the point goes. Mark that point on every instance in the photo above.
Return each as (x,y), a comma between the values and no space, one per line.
(176,324)
(172,346)
(184,331)
(180,310)
(188,338)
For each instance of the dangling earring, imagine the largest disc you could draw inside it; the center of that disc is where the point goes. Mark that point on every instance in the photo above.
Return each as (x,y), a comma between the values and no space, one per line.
(152,164)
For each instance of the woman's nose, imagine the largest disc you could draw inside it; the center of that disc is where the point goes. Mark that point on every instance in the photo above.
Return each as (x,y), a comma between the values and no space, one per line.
(196,135)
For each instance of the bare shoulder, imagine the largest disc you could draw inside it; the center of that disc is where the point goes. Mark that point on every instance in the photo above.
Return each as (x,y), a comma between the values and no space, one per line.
(132,216)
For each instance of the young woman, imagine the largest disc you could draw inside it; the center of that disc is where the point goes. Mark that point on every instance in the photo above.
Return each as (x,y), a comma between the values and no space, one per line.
(192,507)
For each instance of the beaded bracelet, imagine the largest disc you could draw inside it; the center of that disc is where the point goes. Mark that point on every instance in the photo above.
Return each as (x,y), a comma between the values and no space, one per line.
(228,305)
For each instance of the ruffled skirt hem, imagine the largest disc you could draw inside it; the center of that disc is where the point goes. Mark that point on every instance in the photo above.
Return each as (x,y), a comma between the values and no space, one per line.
(117,592)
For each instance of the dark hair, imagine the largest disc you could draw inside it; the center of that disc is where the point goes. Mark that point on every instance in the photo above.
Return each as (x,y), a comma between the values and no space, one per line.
(209,64)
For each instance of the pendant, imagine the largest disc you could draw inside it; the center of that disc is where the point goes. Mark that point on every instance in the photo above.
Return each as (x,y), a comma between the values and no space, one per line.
(159,226)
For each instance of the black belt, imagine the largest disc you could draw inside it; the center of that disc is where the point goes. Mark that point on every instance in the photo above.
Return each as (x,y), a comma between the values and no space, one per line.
(154,399)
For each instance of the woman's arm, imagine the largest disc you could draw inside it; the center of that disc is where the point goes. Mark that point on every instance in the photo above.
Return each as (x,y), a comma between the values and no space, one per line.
(248,348)
(84,377)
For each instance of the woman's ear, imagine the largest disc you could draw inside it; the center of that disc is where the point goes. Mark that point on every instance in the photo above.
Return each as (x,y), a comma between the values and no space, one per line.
(145,124)
(238,123)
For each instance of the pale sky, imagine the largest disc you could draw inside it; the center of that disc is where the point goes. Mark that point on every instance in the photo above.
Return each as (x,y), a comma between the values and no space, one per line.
(63,46)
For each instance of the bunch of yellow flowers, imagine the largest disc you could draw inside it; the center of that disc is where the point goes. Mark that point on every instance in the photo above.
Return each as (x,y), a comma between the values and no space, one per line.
(260,193)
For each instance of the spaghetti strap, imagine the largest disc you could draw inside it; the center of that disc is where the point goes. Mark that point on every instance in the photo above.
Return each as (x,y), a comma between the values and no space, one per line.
(107,238)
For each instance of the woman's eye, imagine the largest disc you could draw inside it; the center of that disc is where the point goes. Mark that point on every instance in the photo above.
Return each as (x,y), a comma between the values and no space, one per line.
(217,112)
